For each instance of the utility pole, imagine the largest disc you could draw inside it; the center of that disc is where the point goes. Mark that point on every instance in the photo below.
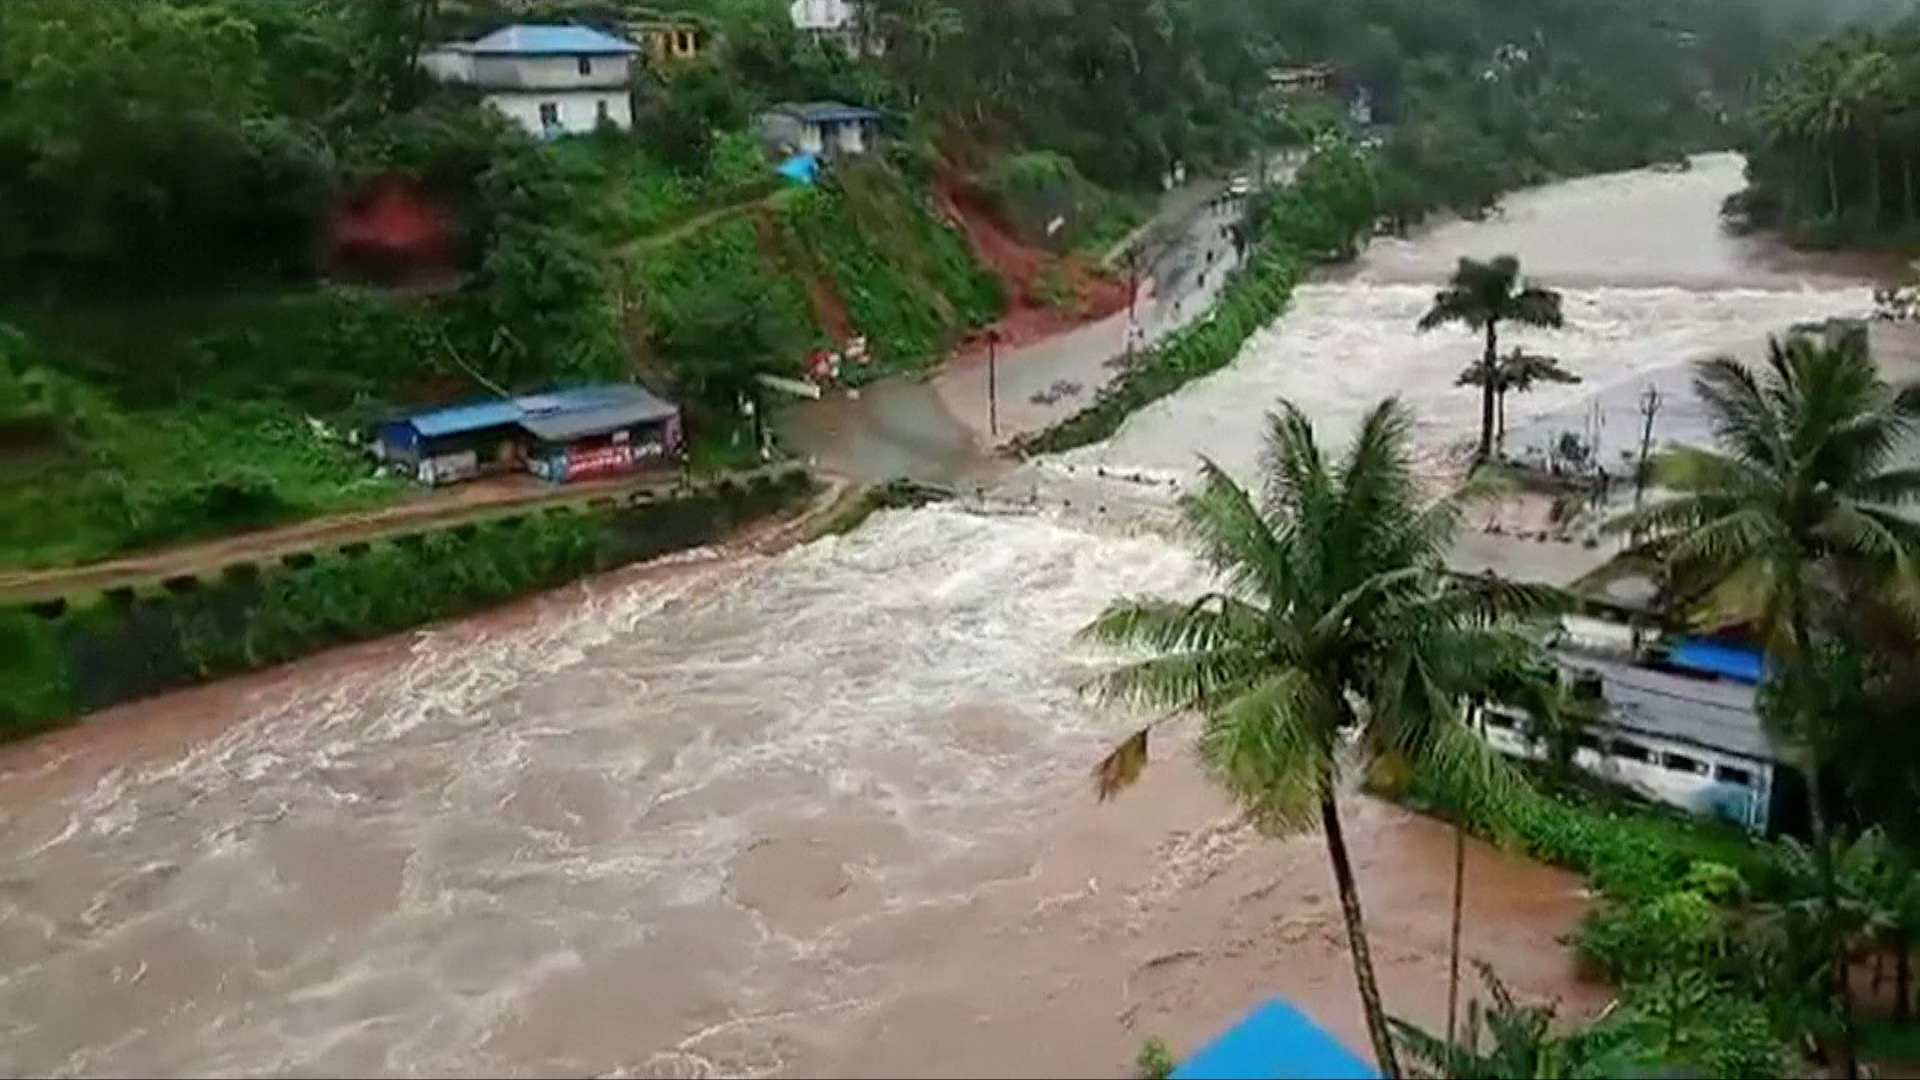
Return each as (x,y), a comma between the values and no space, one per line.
(1650,403)
(1133,280)
(993,382)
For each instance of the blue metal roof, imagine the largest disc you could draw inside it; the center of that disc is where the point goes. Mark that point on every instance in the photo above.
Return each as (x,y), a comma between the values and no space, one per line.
(1725,661)
(461,418)
(530,39)
(501,412)
(828,112)
(1275,1042)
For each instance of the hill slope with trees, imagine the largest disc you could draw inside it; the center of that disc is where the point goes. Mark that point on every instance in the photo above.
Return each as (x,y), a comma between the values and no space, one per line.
(167,169)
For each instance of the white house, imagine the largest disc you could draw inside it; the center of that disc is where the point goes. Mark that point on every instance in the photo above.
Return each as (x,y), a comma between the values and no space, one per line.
(840,21)
(825,129)
(552,80)
(1696,744)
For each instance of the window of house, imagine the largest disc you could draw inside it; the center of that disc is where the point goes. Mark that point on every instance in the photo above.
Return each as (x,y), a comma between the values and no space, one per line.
(549,114)
(602,112)
(1733,774)
(586,65)
(1588,741)
(1683,763)
(1627,750)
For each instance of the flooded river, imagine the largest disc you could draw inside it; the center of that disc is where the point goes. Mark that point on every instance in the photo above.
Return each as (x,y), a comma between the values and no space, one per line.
(817,813)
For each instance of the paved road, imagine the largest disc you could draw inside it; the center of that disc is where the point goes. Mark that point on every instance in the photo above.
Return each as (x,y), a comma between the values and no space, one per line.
(938,430)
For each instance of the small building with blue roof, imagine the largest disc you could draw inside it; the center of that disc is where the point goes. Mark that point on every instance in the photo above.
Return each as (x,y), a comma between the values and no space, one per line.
(820,129)
(561,435)
(552,79)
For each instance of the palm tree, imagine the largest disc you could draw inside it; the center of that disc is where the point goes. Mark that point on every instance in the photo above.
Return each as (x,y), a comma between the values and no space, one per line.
(1867,85)
(1333,619)
(1518,371)
(1482,295)
(1795,520)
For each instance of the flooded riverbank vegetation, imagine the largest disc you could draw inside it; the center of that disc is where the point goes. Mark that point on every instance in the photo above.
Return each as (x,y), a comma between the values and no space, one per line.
(1833,142)
(1731,954)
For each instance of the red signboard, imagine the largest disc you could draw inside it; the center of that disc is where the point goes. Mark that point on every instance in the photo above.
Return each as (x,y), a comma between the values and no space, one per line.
(599,461)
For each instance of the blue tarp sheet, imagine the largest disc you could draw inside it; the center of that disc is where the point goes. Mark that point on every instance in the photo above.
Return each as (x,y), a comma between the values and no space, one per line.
(800,168)
(1275,1042)
(1726,661)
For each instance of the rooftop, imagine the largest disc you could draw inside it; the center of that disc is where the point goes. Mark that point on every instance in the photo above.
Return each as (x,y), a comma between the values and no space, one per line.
(1275,1041)
(1715,714)
(826,112)
(582,410)
(545,39)
(630,407)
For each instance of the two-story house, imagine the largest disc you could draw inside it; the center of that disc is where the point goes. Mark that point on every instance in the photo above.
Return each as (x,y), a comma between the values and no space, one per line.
(842,22)
(552,80)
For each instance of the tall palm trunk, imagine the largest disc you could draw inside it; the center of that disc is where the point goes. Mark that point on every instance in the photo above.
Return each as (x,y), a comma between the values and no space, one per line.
(1833,183)
(1803,675)
(1843,977)
(1357,937)
(1489,363)
(1453,934)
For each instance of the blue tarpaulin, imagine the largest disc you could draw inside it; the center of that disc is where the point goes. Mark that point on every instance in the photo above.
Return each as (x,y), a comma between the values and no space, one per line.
(800,168)
(1275,1042)
(1725,661)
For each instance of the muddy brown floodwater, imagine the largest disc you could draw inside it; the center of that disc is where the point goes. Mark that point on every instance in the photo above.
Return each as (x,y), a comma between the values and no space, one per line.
(821,812)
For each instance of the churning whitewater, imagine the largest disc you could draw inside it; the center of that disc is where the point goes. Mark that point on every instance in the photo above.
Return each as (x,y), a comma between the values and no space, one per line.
(820,813)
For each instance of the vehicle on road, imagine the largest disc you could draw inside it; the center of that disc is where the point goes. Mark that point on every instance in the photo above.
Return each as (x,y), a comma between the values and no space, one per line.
(1240,187)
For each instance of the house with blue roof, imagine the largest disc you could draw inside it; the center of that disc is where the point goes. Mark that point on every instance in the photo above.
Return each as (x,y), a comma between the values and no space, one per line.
(560,435)
(552,79)
(819,129)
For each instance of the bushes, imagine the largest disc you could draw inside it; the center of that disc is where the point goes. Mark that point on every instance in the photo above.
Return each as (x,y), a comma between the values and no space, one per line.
(112,651)
(1664,928)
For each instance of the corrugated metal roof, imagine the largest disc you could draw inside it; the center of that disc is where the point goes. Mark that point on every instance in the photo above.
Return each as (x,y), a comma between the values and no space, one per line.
(1717,715)
(826,112)
(534,39)
(530,409)
(456,419)
(631,407)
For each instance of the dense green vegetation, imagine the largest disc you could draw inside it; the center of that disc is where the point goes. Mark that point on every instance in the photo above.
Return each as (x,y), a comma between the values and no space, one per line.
(102,650)
(1733,956)
(1834,146)
(178,158)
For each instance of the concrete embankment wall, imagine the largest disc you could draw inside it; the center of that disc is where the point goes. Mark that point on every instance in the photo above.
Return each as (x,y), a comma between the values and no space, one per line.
(63,658)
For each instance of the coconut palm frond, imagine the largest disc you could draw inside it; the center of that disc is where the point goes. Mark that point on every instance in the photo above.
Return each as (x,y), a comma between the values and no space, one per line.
(1122,766)
(1274,750)
(1234,537)
(1212,621)
(1535,306)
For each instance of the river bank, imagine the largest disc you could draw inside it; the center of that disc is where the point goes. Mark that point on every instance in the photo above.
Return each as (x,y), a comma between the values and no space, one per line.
(816,813)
